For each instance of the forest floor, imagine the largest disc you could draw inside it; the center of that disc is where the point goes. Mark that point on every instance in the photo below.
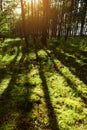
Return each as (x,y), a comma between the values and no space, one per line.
(45,89)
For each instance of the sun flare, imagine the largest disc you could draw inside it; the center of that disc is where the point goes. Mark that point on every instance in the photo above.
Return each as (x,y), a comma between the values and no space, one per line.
(18,11)
(28,2)
(34,1)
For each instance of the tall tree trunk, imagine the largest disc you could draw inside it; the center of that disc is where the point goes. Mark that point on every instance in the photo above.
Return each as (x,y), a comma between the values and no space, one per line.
(83,17)
(0,4)
(45,20)
(24,24)
(61,19)
(71,8)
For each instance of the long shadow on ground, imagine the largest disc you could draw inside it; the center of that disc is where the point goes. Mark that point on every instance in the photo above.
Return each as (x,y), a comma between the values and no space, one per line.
(8,69)
(15,98)
(25,104)
(75,67)
(6,101)
(58,68)
(53,123)
(69,81)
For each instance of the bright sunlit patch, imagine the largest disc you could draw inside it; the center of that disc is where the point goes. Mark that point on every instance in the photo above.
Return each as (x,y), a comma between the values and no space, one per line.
(18,10)
(32,1)
(35,3)
(4,84)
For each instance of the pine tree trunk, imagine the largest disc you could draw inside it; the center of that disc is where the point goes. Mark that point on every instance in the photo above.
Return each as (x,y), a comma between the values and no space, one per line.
(24,24)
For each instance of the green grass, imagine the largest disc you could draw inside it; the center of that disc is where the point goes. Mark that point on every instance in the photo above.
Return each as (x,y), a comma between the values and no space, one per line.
(45,89)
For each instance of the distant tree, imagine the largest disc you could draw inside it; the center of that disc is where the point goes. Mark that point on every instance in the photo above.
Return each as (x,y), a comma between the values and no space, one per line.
(45,21)
(24,24)
(83,14)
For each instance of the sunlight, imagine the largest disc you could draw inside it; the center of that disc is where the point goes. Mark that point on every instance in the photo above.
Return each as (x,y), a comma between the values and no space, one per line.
(18,11)
(32,1)
(35,2)
(4,84)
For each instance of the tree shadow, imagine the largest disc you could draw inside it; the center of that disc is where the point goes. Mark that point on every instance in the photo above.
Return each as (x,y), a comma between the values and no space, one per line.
(8,69)
(76,68)
(53,123)
(6,98)
(73,86)
(69,81)
(11,100)
(9,47)
(79,54)
(24,107)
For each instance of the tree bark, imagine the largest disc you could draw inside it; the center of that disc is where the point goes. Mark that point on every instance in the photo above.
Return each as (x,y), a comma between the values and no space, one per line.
(24,24)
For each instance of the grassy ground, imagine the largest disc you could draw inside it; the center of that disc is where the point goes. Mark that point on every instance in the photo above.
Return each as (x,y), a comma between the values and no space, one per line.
(45,89)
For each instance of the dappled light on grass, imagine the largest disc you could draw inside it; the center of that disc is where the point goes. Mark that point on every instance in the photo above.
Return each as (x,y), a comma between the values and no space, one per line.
(32,56)
(68,57)
(39,90)
(4,84)
(34,76)
(67,96)
(61,93)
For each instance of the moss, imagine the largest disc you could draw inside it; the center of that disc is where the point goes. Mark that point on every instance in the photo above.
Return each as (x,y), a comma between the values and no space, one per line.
(35,94)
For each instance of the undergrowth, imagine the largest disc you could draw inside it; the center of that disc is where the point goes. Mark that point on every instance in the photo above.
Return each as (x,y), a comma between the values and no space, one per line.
(45,89)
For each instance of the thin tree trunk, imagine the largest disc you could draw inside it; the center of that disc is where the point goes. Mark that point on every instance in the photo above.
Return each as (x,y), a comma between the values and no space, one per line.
(45,21)
(24,24)
(83,20)
(0,4)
